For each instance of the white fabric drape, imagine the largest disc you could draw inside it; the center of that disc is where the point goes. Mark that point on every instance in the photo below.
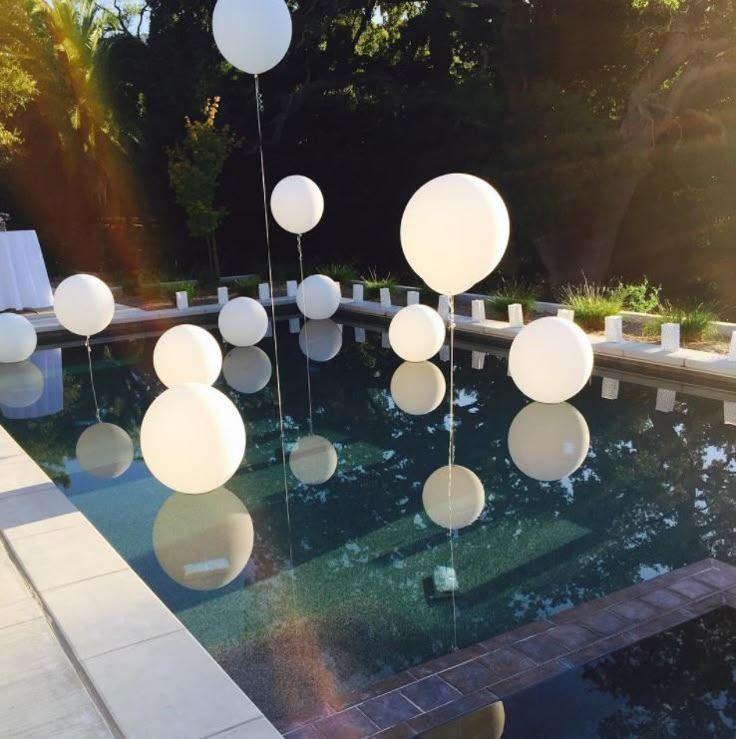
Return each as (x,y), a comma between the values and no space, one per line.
(24,281)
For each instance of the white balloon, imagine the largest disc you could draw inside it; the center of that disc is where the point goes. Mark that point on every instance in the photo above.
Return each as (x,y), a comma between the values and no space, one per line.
(320,340)
(313,460)
(418,387)
(203,542)
(21,384)
(247,369)
(253,35)
(416,333)
(551,359)
(242,322)
(454,232)
(192,438)
(297,204)
(318,297)
(187,353)
(468,498)
(105,450)
(17,338)
(548,441)
(84,305)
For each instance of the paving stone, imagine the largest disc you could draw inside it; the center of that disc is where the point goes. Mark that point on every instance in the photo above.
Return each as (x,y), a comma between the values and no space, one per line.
(664,599)
(572,636)
(303,732)
(400,731)
(657,625)
(541,647)
(259,728)
(350,724)
(692,588)
(597,649)
(525,679)
(449,660)
(389,709)
(506,662)
(449,711)
(431,692)
(605,622)
(706,605)
(469,677)
(719,578)
(635,610)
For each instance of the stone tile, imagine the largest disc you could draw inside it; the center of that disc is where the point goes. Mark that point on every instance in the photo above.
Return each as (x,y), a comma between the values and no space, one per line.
(541,647)
(449,711)
(469,677)
(525,679)
(431,692)
(719,578)
(652,353)
(506,662)
(449,660)
(372,691)
(12,586)
(19,612)
(35,510)
(692,588)
(168,686)
(705,605)
(308,716)
(350,724)
(634,610)
(109,612)
(400,731)
(573,636)
(303,732)
(664,599)
(260,728)
(597,649)
(389,709)
(661,623)
(20,472)
(605,622)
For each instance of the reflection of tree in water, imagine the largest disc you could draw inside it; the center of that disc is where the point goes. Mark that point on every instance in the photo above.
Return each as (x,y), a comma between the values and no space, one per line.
(677,684)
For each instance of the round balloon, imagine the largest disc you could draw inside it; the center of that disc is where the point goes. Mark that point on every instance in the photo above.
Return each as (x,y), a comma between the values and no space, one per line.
(247,369)
(418,387)
(203,542)
(17,338)
(105,450)
(548,441)
(551,359)
(243,322)
(21,384)
(192,438)
(297,204)
(454,231)
(467,496)
(313,460)
(318,297)
(253,35)
(84,305)
(320,340)
(416,333)
(187,353)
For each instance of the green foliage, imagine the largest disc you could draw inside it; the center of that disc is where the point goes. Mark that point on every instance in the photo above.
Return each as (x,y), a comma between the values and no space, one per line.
(247,286)
(592,303)
(641,297)
(373,282)
(344,273)
(694,320)
(167,290)
(513,291)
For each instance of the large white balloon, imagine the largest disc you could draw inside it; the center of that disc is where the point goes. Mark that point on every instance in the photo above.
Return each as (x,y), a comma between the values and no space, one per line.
(297,204)
(253,35)
(548,441)
(320,340)
(187,353)
(105,450)
(84,305)
(203,542)
(243,322)
(17,338)
(468,498)
(418,387)
(21,384)
(247,369)
(313,460)
(416,333)
(550,360)
(192,438)
(318,297)
(454,232)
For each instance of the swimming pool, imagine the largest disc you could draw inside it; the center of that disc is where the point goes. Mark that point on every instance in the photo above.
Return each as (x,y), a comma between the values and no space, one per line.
(335,595)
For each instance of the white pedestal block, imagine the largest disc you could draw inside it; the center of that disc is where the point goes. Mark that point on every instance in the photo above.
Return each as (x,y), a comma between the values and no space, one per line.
(732,347)
(665,400)
(566,313)
(269,329)
(385,343)
(445,353)
(614,329)
(359,335)
(291,288)
(478,310)
(182,299)
(478,360)
(516,315)
(385,296)
(358,292)
(294,326)
(222,295)
(729,412)
(412,297)
(610,388)
(263,291)
(443,306)
(670,337)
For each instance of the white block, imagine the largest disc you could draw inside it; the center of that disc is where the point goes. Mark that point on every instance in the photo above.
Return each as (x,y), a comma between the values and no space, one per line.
(294,325)
(269,329)
(478,360)
(478,310)
(222,295)
(566,313)
(443,306)
(359,335)
(263,291)
(291,287)
(516,315)
(412,297)
(385,296)
(614,329)
(671,337)
(732,347)
(445,353)
(729,412)
(385,343)
(665,400)
(182,299)
(358,292)
(609,388)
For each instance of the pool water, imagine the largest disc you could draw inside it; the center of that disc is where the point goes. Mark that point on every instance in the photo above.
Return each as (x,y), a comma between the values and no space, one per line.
(337,594)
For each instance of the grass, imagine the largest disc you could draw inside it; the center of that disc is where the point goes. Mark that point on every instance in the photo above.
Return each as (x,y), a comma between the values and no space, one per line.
(168,290)
(592,303)
(373,283)
(247,286)
(344,273)
(513,291)
(694,320)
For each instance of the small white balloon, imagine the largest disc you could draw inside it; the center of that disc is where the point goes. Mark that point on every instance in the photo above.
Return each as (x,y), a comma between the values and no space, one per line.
(21,384)
(105,450)
(192,438)
(548,441)
(468,498)
(320,340)
(243,322)
(297,204)
(187,353)
(17,338)
(418,387)
(253,35)
(318,297)
(551,359)
(313,460)
(454,232)
(203,542)
(84,305)
(247,369)
(416,333)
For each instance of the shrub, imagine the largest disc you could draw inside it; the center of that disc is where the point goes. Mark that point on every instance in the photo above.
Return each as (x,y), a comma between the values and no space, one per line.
(694,320)
(513,291)
(642,297)
(167,291)
(592,303)
(373,283)
(247,286)
(345,274)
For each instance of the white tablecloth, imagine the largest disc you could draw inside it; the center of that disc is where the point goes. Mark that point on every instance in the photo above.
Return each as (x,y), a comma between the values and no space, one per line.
(24,281)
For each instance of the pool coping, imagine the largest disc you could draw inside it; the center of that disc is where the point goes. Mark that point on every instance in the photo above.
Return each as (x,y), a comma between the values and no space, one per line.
(426,696)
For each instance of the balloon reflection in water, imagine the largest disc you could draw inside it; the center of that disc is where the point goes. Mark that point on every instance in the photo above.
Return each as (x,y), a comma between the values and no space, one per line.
(21,384)
(203,542)
(418,387)
(320,340)
(488,722)
(247,369)
(548,442)
(313,460)
(105,450)
(468,498)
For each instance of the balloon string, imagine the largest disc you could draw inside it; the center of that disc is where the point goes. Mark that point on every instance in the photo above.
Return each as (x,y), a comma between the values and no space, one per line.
(92,379)
(451,460)
(259,110)
(306,331)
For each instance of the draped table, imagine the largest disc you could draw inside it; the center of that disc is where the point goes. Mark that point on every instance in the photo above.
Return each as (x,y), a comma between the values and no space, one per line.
(24,281)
